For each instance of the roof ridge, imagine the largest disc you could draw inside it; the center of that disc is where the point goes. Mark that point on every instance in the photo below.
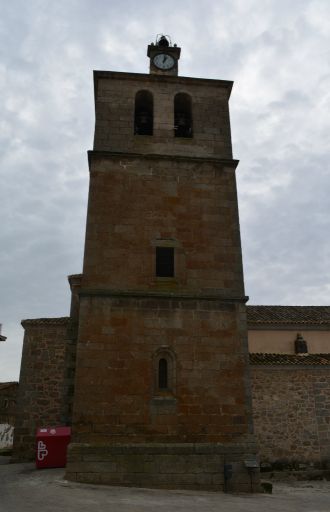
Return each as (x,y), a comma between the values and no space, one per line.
(51,320)
(264,358)
(4,385)
(313,315)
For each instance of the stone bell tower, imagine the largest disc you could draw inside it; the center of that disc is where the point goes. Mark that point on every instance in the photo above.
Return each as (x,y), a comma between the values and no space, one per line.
(162,394)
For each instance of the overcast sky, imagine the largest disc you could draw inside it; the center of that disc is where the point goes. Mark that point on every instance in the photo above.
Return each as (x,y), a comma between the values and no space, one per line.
(278,54)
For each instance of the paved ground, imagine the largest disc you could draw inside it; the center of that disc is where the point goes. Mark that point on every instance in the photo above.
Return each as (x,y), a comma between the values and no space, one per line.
(25,489)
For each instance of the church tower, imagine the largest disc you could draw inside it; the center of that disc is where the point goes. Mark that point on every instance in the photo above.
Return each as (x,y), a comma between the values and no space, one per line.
(162,393)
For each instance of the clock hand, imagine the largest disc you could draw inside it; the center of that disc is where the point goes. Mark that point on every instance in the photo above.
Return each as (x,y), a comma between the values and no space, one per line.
(164,59)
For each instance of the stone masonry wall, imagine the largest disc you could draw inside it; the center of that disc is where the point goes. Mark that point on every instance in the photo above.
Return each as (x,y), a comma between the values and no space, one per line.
(114,109)
(291,408)
(8,396)
(116,400)
(167,466)
(45,380)
(135,203)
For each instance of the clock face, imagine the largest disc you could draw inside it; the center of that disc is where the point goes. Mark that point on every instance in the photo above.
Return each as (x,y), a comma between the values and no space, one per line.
(163,61)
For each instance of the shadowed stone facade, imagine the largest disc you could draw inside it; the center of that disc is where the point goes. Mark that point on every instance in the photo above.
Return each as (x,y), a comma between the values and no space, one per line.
(8,396)
(46,376)
(150,192)
(170,192)
(151,370)
(290,393)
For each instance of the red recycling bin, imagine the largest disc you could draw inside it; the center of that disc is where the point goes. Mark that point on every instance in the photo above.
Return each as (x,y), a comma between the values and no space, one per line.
(52,444)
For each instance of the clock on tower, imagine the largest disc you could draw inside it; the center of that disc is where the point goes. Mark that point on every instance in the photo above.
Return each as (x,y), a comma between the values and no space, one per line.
(163,56)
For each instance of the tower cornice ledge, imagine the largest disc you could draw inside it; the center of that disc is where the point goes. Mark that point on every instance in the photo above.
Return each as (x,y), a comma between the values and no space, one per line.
(228,162)
(146,77)
(211,296)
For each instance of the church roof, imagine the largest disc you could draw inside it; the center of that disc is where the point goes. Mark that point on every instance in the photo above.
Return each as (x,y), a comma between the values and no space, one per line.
(4,385)
(308,315)
(256,316)
(290,359)
(46,321)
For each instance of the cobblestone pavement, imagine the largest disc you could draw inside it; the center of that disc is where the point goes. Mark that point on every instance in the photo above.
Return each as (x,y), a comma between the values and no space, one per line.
(25,489)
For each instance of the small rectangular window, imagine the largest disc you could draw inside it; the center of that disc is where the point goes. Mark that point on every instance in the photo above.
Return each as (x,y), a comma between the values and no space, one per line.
(164,261)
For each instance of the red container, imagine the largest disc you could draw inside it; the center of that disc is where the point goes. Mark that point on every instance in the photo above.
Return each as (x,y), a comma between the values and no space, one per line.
(52,444)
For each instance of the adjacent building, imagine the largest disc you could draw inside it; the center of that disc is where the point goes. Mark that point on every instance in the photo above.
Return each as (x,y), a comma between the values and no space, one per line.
(290,369)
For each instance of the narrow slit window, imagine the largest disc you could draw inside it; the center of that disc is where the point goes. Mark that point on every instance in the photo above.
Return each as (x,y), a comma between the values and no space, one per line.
(162,374)
(182,116)
(144,113)
(164,261)
(164,370)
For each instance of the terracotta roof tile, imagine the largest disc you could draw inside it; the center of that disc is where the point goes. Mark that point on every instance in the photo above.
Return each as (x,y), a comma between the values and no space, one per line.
(311,315)
(4,385)
(46,321)
(290,359)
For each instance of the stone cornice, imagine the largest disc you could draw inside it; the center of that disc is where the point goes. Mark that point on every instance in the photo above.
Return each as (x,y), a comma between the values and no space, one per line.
(150,294)
(153,78)
(223,162)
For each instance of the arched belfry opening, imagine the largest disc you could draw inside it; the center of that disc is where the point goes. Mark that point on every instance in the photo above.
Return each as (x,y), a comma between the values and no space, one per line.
(183,126)
(144,113)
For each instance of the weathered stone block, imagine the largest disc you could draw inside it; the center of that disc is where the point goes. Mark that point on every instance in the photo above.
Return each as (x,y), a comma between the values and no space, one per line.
(160,466)
(290,414)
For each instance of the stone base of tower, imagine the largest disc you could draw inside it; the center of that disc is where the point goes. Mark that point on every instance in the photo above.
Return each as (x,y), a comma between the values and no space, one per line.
(200,466)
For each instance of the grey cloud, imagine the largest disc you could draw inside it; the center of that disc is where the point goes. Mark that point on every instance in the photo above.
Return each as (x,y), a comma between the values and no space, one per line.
(276,52)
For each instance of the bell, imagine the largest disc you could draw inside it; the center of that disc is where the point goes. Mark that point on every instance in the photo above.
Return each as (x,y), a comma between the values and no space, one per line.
(144,117)
(181,120)
(163,42)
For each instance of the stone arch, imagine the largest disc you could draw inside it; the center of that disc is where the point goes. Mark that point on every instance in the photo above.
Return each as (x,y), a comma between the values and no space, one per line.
(164,370)
(144,113)
(183,120)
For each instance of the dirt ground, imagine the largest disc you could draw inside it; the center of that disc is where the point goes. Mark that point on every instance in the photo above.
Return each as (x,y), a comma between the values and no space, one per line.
(25,489)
